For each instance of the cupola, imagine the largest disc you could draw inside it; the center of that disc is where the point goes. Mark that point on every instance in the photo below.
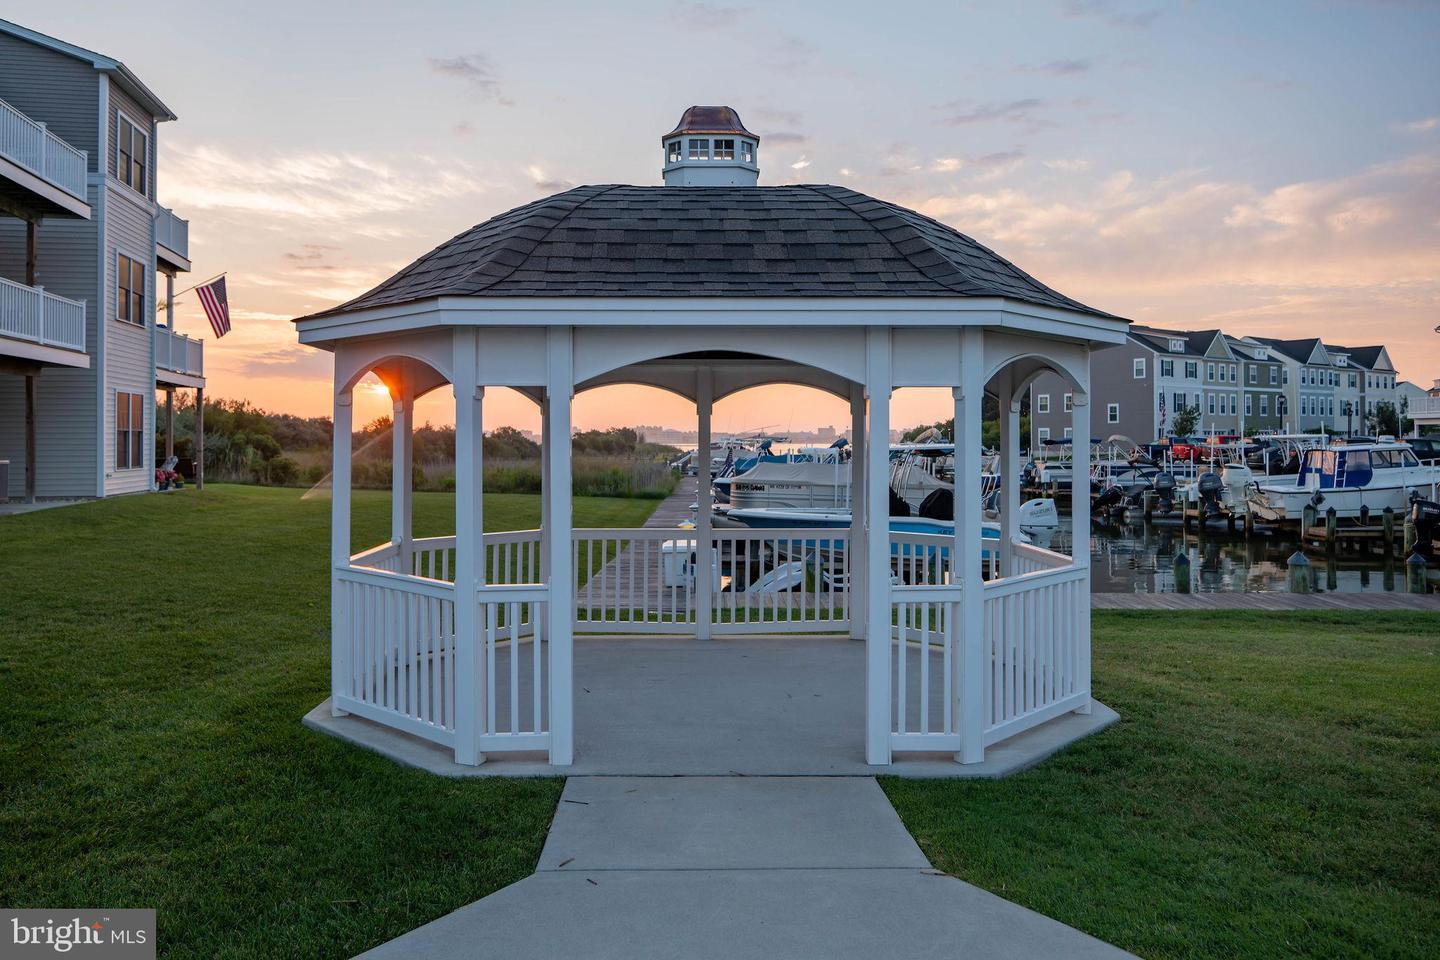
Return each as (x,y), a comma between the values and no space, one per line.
(710,147)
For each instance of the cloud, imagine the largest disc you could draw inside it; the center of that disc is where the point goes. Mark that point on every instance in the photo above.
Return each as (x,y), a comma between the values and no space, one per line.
(709,16)
(1068,164)
(545,182)
(463,129)
(783,137)
(960,112)
(1061,68)
(1106,12)
(783,118)
(947,164)
(475,70)
(1421,126)
(800,164)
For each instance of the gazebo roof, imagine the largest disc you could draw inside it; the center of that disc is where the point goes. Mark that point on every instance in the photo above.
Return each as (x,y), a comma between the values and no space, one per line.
(732,242)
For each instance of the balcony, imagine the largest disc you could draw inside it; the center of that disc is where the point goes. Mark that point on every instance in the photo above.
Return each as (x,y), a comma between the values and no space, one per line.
(172,240)
(39,170)
(41,326)
(179,359)
(1425,411)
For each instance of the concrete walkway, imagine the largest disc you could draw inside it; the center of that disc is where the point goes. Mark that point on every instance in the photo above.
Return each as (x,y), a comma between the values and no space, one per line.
(736,868)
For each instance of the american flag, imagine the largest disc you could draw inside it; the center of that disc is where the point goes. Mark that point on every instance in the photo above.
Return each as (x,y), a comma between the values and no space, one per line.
(1162,412)
(217,306)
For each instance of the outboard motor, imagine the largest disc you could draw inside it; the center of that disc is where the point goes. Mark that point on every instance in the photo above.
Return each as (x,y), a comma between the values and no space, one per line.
(1209,486)
(898,505)
(939,505)
(1425,514)
(1164,486)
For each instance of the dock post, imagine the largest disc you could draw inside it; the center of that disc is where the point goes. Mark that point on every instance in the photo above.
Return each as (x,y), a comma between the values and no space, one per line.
(1307,518)
(1249,524)
(1415,573)
(1387,523)
(1330,531)
(1299,572)
(1182,571)
(1147,500)
(1411,536)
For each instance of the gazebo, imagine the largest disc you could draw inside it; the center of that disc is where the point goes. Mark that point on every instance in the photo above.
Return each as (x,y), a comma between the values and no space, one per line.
(706,286)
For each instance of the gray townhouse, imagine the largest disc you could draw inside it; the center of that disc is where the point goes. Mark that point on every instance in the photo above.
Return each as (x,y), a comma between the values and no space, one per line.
(83,247)
(1367,379)
(1142,383)
(1262,405)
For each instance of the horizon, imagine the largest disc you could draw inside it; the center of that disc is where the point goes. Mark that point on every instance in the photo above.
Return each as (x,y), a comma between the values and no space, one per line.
(1183,167)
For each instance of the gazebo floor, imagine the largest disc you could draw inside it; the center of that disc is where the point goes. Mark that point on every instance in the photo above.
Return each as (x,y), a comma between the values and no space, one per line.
(748,706)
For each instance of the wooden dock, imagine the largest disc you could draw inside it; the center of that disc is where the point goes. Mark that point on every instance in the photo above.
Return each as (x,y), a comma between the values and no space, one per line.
(1265,601)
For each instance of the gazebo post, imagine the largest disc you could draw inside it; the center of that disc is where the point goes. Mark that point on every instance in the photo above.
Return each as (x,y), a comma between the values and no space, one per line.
(560,389)
(340,666)
(402,451)
(544,479)
(877,548)
(1009,470)
(856,548)
(1080,516)
(704,483)
(968,549)
(470,679)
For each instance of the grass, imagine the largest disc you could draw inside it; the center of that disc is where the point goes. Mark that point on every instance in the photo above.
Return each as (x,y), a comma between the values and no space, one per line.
(158,653)
(1273,790)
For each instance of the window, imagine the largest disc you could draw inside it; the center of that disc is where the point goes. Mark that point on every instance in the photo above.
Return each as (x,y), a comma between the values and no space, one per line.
(1067,433)
(1285,375)
(132,153)
(747,151)
(1042,403)
(1254,373)
(1177,346)
(1210,403)
(129,290)
(1167,368)
(724,150)
(1179,402)
(674,155)
(699,149)
(1272,376)
(1209,371)
(1264,404)
(1234,405)
(129,431)
(1192,369)
(1249,402)
(1139,368)
(1069,402)
(1112,413)
(1043,433)
(1352,381)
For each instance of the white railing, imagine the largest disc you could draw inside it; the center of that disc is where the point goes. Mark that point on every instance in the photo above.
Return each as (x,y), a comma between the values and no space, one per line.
(1424,407)
(176,351)
(515,716)
(172,232)
(29,313)
(393,655)
(640,580)
(28,144)
(781,580)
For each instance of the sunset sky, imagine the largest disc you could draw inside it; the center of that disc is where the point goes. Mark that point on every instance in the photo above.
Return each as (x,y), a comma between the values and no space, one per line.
(1270,168)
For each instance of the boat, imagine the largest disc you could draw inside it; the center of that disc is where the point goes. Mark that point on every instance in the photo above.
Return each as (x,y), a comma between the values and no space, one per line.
(807,477)
(1351,479)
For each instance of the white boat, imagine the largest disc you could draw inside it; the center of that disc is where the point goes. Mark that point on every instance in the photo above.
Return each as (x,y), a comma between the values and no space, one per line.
(1348,477)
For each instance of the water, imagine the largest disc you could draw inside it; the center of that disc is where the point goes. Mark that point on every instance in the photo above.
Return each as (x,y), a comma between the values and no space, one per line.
(1141,559)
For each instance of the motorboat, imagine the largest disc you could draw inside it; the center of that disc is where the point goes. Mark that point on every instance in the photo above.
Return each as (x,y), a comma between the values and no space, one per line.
(807,477)
(1350,478)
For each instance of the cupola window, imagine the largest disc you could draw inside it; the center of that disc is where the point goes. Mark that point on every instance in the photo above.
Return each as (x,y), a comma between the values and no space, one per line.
(724,150)
(699,149)
(747,151)
(674,155)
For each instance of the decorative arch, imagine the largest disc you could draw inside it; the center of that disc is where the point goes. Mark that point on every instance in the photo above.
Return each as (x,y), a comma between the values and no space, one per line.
(840,353)
(419,362)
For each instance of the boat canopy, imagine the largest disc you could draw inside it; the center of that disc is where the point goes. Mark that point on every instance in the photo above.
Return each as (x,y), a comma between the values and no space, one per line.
(1352,465)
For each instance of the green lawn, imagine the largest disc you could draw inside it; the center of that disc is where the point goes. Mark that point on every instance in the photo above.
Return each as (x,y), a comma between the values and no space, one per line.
(156,655)
(1273,790)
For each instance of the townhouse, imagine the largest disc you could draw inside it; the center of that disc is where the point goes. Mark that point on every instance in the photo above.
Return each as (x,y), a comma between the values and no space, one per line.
(83,246)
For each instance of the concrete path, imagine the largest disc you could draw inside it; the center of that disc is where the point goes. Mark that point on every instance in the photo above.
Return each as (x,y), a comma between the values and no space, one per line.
(736,868)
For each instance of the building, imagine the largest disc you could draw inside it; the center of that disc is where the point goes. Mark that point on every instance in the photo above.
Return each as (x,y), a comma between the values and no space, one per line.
(705,291)
(83,244)
(1264,396)
(1422,407)
(1309,377)
(1368,379)
(1146,381)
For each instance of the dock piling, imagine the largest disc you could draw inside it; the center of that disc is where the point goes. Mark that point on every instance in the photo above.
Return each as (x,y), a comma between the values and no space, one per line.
(1299,573)
(1182,571)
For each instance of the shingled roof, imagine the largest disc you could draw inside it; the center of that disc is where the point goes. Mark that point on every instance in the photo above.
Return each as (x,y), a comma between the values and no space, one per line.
(792,241)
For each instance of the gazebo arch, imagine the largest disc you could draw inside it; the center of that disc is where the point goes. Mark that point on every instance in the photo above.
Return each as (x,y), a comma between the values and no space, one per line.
(970,637)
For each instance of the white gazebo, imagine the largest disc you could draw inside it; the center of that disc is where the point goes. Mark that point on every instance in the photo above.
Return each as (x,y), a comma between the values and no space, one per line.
(468,641)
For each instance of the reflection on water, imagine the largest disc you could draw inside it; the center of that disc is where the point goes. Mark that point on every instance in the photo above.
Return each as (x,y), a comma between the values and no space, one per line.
(1141,559)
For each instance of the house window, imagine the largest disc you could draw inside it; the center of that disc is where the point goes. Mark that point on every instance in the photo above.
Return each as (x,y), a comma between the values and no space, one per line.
(1042,403)
(1352,381)
(1167,368)
(129,290)
(699,149)
(1112,413)
(675,152)
(724,150)
(747,151)
(1285,375)
(1067,432)
(1069,402)
(132,153)
(1192,369)
(129,431)
(1264,404)
(1179,402)
(1209,371)
(1234,405)
(1248,401)
(1210,404)
(1139,368)
(1254,373)
(1272,376)
(1044,433)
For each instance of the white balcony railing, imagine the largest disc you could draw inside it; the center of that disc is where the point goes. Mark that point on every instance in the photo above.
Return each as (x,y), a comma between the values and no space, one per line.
(27,143)
(172,232)
(177,352)
(29,313)
(1424,407)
